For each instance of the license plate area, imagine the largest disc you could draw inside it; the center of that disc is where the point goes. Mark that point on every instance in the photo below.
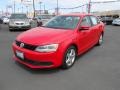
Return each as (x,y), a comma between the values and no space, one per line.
(20,55)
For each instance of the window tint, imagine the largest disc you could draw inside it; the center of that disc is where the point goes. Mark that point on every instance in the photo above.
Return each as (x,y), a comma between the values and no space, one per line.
(94,20)
(86,21)
(63,22)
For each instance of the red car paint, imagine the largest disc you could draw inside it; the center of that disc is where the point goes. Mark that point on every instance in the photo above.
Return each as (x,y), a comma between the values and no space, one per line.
(82,39)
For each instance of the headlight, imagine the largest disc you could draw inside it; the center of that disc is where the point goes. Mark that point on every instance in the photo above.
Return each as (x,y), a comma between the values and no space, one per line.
(11,23)
(47,48)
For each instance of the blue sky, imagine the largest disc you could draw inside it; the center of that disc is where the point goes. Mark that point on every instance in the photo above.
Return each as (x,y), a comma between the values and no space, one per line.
(50,4)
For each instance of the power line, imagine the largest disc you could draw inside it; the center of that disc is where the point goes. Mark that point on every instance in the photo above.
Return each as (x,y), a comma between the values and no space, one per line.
(75,7)
(70,8)
(86,4)
(106,1)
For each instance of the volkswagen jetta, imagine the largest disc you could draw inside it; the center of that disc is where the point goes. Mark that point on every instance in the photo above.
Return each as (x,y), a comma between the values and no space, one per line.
(58,42)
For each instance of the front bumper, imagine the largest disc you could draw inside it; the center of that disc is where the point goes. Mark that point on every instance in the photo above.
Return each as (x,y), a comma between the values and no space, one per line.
(20,27)
(36,60)
(6,22)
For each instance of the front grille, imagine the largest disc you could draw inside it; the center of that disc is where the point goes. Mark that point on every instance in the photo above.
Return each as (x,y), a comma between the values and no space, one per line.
(26,46)
(36,63)
(19,23)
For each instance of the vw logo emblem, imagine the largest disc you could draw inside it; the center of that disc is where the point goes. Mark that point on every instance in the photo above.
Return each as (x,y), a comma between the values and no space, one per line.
(22,45)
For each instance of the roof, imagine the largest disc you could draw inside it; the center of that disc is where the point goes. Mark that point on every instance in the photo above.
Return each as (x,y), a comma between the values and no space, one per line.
(76,14)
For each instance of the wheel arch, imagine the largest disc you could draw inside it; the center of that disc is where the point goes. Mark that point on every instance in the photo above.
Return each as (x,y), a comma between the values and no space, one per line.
(74,45)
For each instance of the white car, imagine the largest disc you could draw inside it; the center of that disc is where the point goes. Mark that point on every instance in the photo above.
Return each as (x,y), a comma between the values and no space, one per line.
(6,20)
(116,21)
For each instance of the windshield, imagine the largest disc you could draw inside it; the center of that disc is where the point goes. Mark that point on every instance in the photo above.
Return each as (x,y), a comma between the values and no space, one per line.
(63,22)
(18,16)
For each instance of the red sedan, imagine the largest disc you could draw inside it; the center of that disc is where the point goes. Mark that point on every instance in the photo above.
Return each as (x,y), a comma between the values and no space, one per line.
(59,41)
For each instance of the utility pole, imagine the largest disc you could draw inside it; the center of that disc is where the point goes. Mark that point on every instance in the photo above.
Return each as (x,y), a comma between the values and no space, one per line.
(27,9)
(89,6)
(40,6)
(57,8)
(18,10)
(14,6)
(22,9)
(6,10)
(44,8)
(21,6)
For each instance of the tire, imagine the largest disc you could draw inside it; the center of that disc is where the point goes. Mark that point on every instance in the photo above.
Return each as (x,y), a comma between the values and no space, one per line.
(69,60)
(100,41)
(11,30)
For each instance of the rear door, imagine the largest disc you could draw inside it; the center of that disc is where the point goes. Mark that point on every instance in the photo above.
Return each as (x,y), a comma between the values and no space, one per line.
(96,26)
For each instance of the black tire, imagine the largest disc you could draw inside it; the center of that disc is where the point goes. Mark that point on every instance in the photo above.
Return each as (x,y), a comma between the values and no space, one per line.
(100,41)
(65,65)
(11,30)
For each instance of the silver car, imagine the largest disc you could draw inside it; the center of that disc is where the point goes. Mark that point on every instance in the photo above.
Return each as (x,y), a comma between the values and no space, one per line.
(116,21)
(19,21)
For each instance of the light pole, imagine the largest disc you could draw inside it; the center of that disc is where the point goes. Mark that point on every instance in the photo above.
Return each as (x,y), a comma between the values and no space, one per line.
(33,8)
(40,6)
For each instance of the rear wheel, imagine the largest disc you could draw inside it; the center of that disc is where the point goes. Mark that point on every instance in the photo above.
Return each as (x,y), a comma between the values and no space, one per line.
(100,41)
(69,58)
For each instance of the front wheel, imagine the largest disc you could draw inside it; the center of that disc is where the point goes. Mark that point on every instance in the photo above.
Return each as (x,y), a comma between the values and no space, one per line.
(11,30)
(69,58)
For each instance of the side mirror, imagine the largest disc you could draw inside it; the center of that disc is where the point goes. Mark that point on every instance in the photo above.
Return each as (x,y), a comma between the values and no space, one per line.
(84,28)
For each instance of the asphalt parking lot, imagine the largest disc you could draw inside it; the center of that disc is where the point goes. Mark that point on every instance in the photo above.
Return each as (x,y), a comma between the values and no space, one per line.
(98,69)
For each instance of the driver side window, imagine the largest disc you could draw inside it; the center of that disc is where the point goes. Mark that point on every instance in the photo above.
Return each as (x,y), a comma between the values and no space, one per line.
(86,21)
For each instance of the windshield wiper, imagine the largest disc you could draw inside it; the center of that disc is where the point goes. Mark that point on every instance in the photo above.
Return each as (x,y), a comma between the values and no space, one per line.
(55,27)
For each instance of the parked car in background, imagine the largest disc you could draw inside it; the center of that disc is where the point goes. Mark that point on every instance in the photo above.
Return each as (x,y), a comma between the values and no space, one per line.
(2,18)
(116,21)
(1,21)
(19,21)
(6,20)
(43,18)
(59,41)
(107,20)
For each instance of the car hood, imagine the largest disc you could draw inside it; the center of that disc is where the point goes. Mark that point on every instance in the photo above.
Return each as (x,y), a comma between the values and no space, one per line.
(42,36)
(19,20)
